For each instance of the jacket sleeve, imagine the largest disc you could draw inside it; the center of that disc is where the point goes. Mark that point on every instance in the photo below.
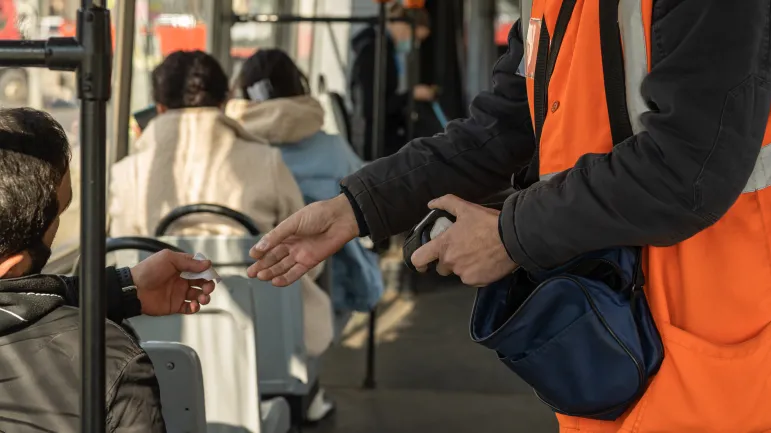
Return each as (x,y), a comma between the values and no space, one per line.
(120,305)
(136,404)
(473,159)
(709,95)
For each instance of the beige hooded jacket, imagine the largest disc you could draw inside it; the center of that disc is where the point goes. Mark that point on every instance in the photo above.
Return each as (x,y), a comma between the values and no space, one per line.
(281,120)
(199,155)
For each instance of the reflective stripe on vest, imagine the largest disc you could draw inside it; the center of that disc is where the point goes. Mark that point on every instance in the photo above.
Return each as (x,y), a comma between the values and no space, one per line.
(759,179)
(632,28)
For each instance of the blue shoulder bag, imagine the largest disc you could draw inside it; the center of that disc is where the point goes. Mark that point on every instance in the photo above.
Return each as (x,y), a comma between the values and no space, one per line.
(581,335)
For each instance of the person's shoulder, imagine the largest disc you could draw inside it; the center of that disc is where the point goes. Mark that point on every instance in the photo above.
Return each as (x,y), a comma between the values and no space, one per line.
(61,330)
(119,342)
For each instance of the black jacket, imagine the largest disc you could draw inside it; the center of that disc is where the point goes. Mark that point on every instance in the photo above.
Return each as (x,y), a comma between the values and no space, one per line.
(362,91)
(40,360)
(709,90)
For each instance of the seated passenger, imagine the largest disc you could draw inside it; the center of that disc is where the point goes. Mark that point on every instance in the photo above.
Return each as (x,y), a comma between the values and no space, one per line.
(279,108)
(192,153)
(39,325)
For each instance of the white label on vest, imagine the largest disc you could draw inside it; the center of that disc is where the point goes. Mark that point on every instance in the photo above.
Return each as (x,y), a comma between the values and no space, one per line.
(531,46)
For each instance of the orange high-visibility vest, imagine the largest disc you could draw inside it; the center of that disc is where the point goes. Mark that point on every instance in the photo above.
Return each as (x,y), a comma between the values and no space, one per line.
(711,294)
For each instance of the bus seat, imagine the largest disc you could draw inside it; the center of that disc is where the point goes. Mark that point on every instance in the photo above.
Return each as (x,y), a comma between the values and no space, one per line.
(223,336)
(258,328)
(179,374)
(336,120)
(341,114)
(276,316)
(285,369)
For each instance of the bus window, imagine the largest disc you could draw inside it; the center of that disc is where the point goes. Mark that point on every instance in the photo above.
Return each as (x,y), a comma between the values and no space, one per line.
(508,14)
(247,37)
(51,91)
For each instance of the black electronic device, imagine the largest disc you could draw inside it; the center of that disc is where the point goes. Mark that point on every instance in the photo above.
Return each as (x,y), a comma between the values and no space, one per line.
(424,232)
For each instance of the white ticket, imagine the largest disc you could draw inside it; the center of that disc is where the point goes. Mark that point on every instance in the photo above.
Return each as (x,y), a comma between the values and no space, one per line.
(209,274)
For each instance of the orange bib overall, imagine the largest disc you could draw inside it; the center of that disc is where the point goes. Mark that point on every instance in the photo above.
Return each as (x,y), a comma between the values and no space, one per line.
(710,295)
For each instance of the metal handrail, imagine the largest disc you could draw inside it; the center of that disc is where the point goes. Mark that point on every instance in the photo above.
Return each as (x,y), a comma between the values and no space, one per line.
(90,54)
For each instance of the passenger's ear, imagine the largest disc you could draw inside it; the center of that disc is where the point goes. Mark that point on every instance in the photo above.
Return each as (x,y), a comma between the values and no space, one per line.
(161,108)
(12,266)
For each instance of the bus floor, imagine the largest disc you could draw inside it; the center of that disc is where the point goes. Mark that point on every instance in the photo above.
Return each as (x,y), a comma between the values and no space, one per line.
(429,374)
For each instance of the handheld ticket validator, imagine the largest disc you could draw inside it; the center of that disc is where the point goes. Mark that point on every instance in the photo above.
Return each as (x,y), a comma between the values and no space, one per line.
(433,225)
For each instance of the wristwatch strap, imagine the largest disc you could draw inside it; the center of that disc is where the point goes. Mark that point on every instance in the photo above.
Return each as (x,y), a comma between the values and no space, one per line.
(129,299)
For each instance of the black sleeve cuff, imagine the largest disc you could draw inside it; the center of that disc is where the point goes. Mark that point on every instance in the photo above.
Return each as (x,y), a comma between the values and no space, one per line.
(507,229)
(360,221)
(122,300)
(71,291)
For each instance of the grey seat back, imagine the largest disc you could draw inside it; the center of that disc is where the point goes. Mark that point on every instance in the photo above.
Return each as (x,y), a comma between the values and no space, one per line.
(276,313)
(223,335)
(180,377)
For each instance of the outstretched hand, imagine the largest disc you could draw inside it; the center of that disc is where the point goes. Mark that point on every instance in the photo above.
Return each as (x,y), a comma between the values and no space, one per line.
(303,240)
(162,291)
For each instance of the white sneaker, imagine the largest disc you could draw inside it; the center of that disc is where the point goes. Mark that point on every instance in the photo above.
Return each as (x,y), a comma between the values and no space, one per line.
(320,407)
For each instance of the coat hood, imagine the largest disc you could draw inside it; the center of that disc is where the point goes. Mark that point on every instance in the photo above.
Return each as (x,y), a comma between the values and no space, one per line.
(280,121)
(24,301)
(206,122)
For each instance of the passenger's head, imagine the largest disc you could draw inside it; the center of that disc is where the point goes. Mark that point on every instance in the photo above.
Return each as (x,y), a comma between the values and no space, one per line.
(401,31)
(189,79)
(34,188)
(271,74)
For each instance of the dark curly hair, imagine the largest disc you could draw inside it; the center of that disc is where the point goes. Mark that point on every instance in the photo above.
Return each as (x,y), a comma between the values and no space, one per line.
(277,67)
(34,157)
(189,79)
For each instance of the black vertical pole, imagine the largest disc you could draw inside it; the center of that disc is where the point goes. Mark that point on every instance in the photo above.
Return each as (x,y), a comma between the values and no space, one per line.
(412,80)
(381,64)
(94,77)
(378,138)
(369,377)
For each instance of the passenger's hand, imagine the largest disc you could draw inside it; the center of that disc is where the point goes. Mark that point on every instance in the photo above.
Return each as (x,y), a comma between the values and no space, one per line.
(424,93)
(162,291)
(471,248)
(303,240)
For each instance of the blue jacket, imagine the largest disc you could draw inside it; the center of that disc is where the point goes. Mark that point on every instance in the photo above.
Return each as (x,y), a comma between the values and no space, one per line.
(318,161)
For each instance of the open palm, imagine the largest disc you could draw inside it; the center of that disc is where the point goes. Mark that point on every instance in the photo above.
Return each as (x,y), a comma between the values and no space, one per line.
(302,241)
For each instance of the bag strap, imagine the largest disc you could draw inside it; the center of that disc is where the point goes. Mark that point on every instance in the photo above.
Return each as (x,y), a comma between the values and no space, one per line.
(548,51)
(615,90)
(613,72)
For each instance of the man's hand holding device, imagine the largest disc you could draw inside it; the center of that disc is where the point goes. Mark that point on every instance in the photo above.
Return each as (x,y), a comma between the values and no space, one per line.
(470,247)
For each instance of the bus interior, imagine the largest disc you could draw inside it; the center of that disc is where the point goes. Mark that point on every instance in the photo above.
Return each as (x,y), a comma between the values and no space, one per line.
(408,365)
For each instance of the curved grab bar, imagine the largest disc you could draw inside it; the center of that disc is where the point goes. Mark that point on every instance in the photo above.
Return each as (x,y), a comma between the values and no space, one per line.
(149,245)
(215,209)
(131,243)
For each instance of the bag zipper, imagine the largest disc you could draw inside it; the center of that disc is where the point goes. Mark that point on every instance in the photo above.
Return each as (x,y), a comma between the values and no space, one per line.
(640,374)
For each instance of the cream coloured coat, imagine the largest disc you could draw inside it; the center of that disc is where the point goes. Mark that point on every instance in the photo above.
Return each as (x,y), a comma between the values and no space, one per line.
(199,155)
